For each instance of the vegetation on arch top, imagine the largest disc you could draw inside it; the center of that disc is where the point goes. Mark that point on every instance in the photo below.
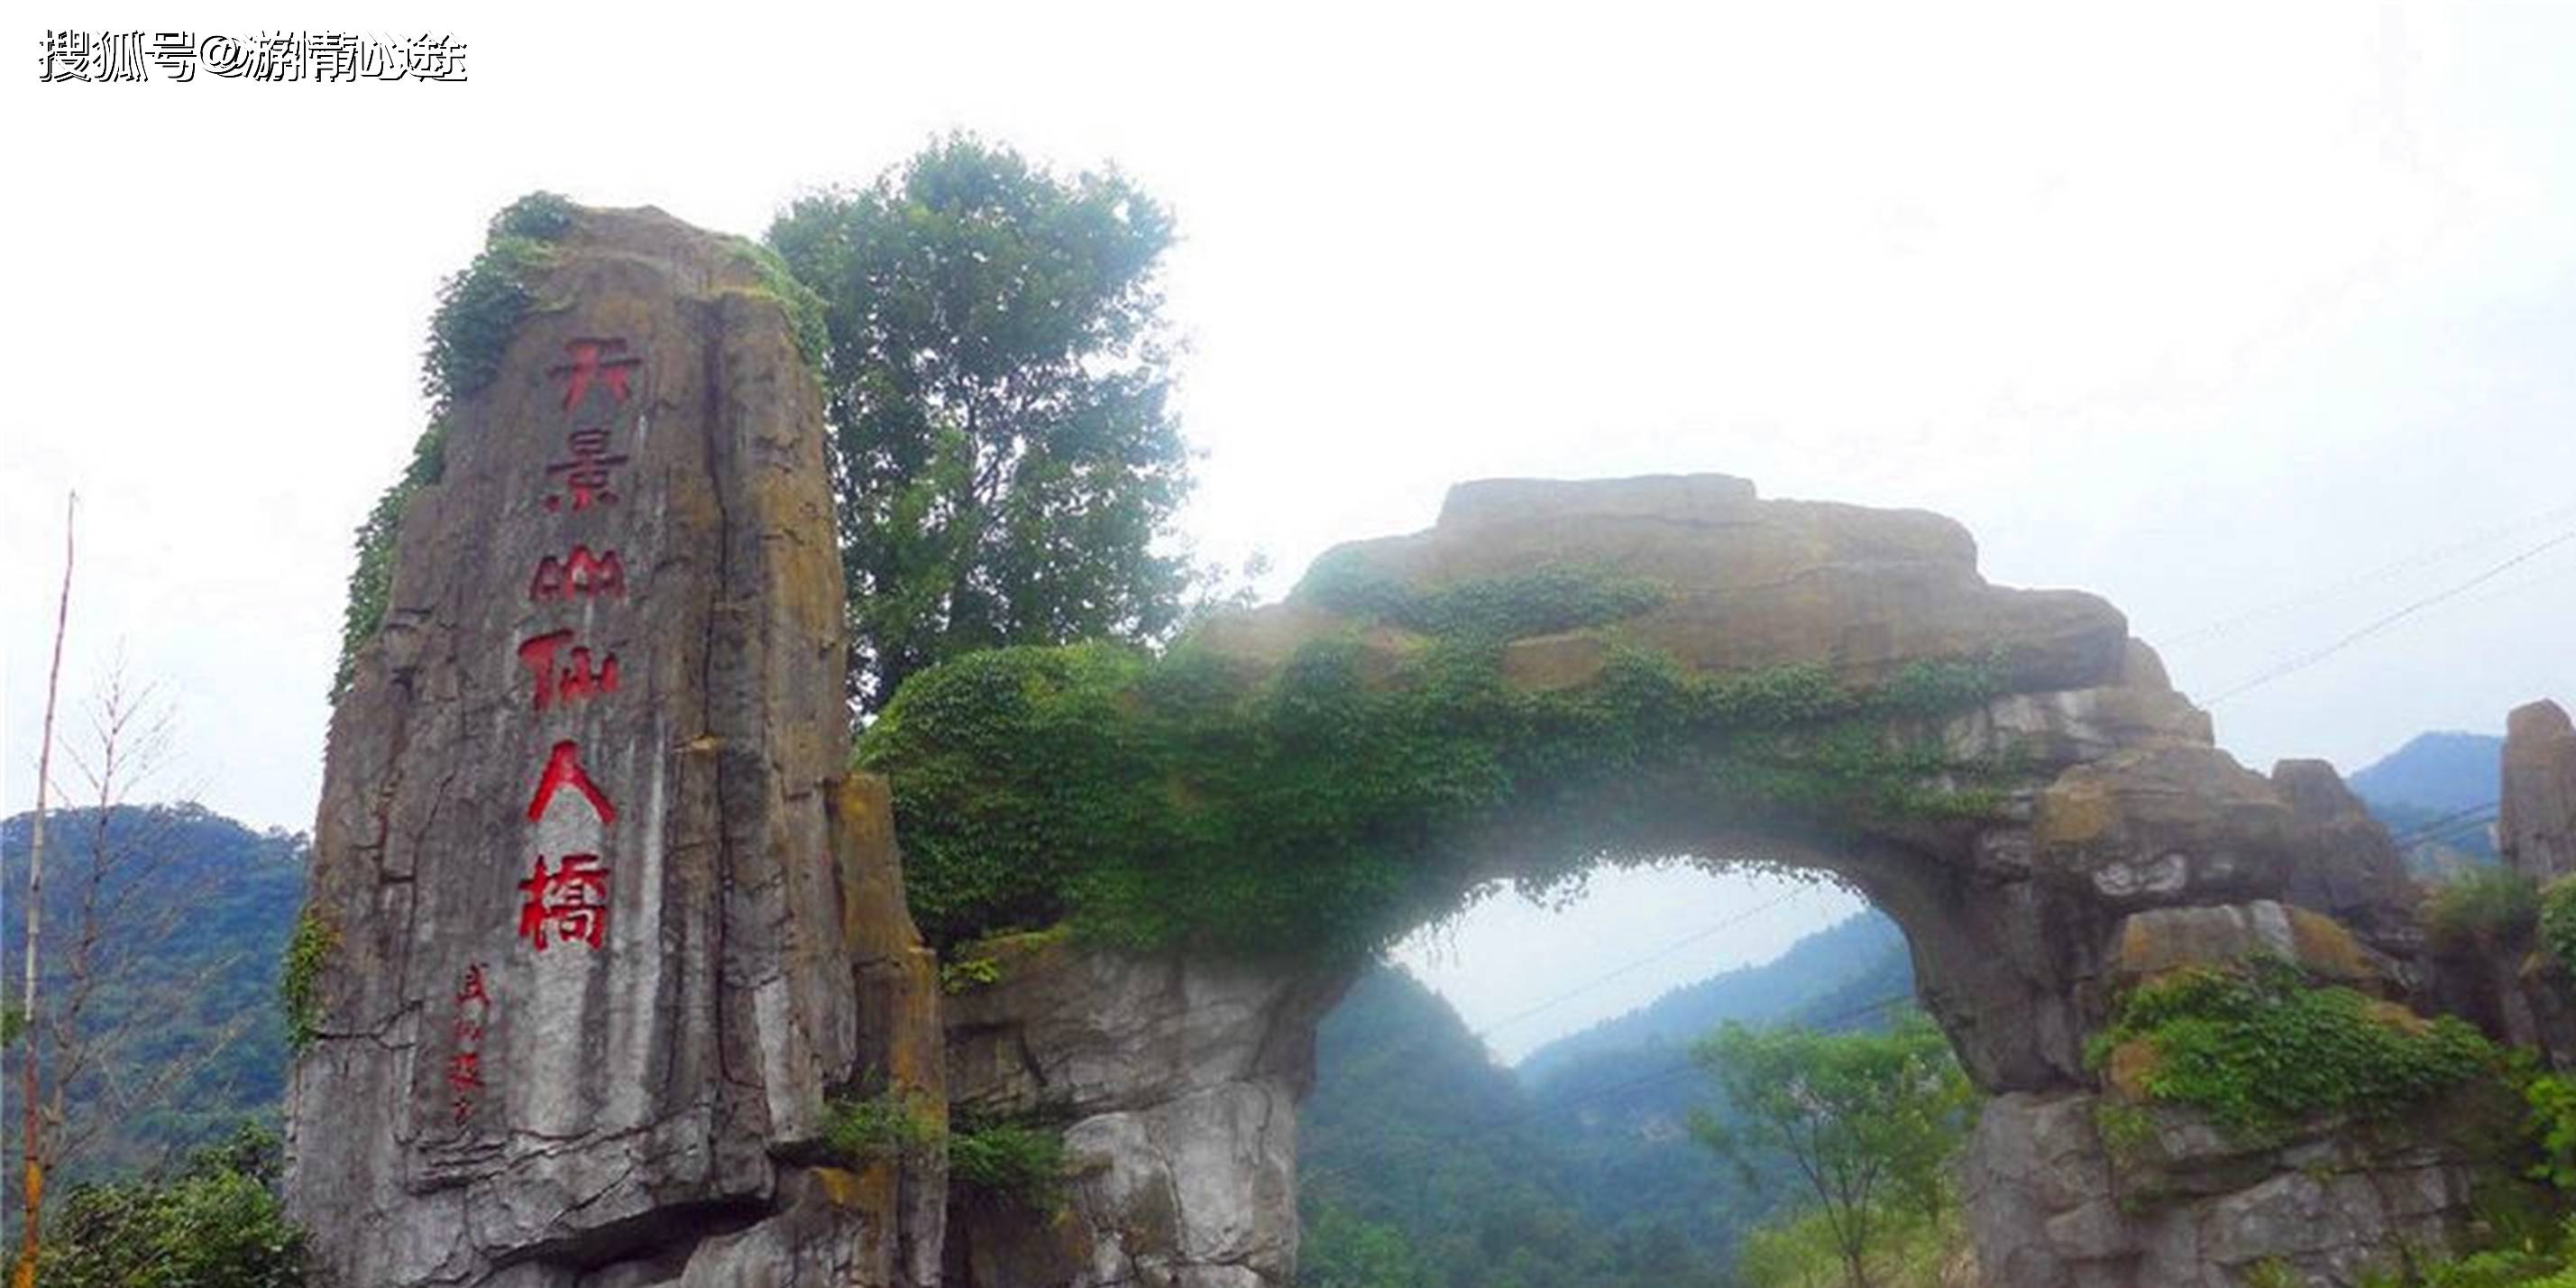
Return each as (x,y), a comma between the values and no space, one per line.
(1323,806)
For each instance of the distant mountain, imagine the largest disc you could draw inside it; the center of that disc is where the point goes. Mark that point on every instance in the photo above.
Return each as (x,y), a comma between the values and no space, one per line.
(1813,967)
(2434,772)
(189,927)
(1423,1165)
(2432,795)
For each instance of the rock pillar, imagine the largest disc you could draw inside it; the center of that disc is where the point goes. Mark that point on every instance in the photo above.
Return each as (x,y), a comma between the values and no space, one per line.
(597,899)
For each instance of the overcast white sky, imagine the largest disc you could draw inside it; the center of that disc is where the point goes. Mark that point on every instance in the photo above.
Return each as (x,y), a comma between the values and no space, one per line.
(2207,309)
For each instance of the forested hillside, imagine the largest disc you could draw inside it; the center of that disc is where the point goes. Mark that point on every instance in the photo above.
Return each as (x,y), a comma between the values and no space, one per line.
(185,926)
(1426,1164)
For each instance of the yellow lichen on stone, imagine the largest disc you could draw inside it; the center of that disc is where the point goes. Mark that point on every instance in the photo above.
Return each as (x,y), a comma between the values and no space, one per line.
(2075,811)
(2326,948)
(2132,1063)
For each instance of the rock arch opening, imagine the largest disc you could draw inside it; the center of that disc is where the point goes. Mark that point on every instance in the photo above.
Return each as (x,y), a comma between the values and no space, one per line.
(1558,675)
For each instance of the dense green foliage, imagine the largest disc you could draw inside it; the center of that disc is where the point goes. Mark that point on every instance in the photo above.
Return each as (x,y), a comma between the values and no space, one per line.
(2261,1049)
(1161,800)
(996,386)
(184,1012)
(1869,1121)
(217,1224)
(478,308)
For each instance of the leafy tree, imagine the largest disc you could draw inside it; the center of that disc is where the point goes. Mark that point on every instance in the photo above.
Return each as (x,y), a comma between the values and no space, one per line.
(218,1224)
(996,383)
(1868,1119)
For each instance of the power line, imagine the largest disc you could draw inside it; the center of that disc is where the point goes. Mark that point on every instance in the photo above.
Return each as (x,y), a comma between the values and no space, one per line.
(2408,563)
(2448,825)
(1655,956)
(2306,660)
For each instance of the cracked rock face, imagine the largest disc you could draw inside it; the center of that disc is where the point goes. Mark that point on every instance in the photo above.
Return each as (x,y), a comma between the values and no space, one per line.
(601,901)
(1176,1080)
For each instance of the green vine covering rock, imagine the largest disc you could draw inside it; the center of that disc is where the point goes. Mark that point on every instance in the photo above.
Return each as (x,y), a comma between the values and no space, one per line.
(477,310)
(1539,602)
(805,312)
(299,987)
(2261,1049)
(1155,801)
(2558,922)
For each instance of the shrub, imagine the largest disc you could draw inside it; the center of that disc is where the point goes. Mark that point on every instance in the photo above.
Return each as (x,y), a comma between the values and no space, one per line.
(885,1125)
(218,1224)
(2482,907)
(1012,1161)
(2259,1049)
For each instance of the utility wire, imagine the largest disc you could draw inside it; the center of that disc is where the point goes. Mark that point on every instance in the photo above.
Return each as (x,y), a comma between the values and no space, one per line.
(2420,559)
(2305,660)
(1655,956)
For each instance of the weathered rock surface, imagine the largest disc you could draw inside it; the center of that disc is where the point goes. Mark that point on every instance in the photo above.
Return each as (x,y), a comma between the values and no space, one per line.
(1177,1079)
(2127,844)
(2344,864)
(2048,1205)
(603,901)
(2536,825)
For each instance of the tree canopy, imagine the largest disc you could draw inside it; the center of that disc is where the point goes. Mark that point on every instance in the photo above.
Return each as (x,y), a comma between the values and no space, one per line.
(1868,1119)
(997,384)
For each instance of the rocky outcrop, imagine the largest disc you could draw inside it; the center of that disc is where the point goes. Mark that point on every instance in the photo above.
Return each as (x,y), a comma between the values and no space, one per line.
(2536,819)
(2050,1203)
(609,927)
(2123,844)
(1175,1081)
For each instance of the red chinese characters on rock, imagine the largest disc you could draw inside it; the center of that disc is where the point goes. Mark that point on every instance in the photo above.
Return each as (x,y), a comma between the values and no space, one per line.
(465,1067)
(568,902)
(585,477)
(575,678)
(578,574)
(595,361)
(563,769)
(571,901)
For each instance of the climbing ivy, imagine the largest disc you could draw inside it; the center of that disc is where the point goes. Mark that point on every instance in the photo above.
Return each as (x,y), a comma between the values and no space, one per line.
(2558,922)
(805,310)
(1556,597)
(1159,800)
(299,987)
(2259,1049)
(478,309)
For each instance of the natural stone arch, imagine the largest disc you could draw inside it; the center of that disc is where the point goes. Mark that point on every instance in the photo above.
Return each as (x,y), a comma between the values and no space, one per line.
(2110,838)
